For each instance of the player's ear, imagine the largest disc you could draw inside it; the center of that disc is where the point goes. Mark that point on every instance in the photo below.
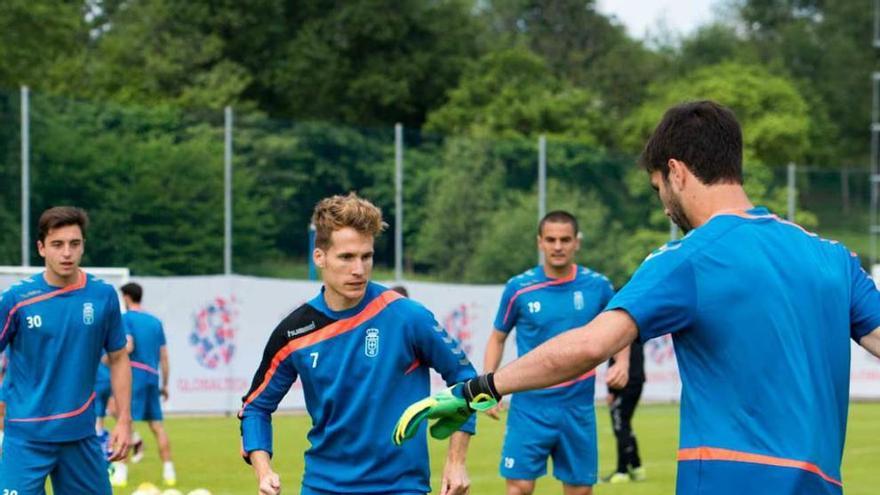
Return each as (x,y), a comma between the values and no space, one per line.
(678,172)
(41,248)
(319,257)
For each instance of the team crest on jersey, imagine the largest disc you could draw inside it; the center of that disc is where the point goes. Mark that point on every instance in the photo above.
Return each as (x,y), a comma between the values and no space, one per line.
(578,300)
(371,342)
(88,313)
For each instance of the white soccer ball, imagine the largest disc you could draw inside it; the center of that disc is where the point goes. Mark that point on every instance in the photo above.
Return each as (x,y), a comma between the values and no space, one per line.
(172,491)
(147,489)
(199,491)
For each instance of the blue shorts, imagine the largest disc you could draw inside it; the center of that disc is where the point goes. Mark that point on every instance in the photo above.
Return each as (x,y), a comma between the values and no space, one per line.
(145,404)
(567,434)
(75,468)
(103,391)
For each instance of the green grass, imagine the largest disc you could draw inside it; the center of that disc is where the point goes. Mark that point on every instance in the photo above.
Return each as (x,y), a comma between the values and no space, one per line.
(206,454)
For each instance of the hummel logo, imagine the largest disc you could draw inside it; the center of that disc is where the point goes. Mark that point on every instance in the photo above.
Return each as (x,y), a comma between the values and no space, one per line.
(300,330)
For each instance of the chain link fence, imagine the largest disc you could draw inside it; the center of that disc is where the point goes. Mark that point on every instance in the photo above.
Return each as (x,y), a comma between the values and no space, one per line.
(152,180)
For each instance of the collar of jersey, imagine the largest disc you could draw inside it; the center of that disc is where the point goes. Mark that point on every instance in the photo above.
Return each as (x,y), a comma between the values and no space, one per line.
(319,303)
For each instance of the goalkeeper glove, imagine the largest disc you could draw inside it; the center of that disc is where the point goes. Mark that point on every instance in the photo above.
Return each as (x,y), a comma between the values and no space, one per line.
(450,407)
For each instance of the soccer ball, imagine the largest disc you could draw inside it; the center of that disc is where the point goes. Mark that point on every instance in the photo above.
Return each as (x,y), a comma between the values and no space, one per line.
(147,489)
(199,491)
(172,491)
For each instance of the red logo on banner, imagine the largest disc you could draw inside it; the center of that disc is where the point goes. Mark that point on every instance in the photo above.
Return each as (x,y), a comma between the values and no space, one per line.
(660,350)
(458,324)
(213,334)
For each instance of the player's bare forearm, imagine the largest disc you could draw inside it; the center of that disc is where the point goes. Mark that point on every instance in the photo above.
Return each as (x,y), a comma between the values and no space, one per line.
(261,462)
(618,374)
(455,479)
(494,351)
(268,481)
(165,367)
(120,380)
(568,355)
(871,342)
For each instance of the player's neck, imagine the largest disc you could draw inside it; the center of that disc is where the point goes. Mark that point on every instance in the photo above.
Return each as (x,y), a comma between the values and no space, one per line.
(557,272)
(134,307)
(337,302)
(718,199)
(56,280)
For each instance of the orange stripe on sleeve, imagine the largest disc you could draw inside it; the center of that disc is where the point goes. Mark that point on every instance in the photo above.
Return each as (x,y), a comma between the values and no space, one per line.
(717,454)
(333,330)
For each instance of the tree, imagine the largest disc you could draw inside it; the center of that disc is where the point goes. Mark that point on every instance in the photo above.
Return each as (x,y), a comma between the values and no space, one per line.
(774,118)
(511,94)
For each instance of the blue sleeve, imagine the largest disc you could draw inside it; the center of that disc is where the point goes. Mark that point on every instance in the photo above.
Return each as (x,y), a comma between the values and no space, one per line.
(505,319)
(442,352)
(270,384)
(114,336)
(864,311)
(8,318)
(661,296)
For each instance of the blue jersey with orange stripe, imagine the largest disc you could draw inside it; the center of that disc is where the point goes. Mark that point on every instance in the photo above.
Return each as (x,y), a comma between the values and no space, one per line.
(359,369)
(54,337)
(149,337)
(541,308)
(761,314)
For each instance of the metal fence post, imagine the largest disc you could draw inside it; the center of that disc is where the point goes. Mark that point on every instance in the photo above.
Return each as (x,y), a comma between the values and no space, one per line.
(542,184)
(25,178)
(227,189)
(398,202)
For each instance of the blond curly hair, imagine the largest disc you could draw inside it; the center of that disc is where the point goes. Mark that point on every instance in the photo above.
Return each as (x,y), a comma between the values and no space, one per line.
(337,212)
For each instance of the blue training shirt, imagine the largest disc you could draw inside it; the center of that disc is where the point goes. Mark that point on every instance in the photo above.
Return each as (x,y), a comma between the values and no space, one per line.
(761,313)
(149,337)
(359,369)
(541,308)
(54,338)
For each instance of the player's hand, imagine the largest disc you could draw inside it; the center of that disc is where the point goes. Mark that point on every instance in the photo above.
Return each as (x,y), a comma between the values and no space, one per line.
(455,479)
(270,484)
(120,440)
(449,407)
(164,393)
(617,376)
(495,412)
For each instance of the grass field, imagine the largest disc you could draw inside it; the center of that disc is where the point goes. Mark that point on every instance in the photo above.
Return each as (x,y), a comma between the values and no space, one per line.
(206,454)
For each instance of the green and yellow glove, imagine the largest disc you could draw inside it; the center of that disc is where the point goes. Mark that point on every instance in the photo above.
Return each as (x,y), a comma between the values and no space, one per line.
(450,407)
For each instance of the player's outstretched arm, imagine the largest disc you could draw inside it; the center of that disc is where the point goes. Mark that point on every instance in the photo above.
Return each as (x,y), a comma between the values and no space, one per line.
(455,479)
(269,481)
(120,380)
(871,342)
(568,355)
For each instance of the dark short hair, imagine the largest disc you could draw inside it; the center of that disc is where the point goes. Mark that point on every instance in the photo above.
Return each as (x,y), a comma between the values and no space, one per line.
(704,135)
(401,290)
(62,216)
(558,216)
(134,291)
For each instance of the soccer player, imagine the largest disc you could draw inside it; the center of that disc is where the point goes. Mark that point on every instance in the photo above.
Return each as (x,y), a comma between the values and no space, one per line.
(363,353)
(54,327)
(560,421)
(761,313)
(622,402)
(148,356)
